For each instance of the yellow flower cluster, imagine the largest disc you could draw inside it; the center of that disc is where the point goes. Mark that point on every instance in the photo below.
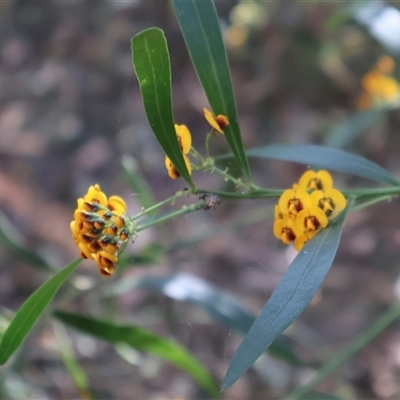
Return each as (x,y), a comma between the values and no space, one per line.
(307,208)
(99,228)
(379,87)
(218,123)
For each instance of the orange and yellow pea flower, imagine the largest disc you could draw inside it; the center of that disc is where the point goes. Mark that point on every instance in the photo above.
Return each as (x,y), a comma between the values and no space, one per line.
(315,180)
(172,171)
(277,212)
(117,205)
(285,229)
(97,228)
(218,123)
(185,143)
(303,211)
(184,138)
(106,262)
(293,201)
(301,240)
(331,201)
(311,220)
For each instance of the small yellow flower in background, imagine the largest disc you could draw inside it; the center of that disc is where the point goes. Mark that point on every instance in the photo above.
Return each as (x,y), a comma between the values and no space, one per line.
(218,123)
(99,228)
(379,87)
(185,143)
(303,211)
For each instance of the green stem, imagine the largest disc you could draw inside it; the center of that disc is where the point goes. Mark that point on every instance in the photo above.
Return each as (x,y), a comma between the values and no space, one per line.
(167,216)
(378,194)
(207,164)
(371,202)
(253,194)
(359,193)
(236,182)
(340,359)
(196,154)
(208,138)
(171,199)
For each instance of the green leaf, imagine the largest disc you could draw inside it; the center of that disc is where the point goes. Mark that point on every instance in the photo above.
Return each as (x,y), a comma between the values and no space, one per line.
(141,189)
(13,242)
(31,310)
(200,27)
(144,341)
(151,62)
(348,131)
(325,157)
(292,295)
(219,304)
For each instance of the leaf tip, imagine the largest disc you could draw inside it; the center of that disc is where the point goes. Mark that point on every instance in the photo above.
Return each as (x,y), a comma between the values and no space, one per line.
(228,382)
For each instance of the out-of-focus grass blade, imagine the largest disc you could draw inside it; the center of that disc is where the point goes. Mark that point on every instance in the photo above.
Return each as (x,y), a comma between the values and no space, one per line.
(12,241)
(348,131)
(26,317)
(76,372)
(292,295)
(338,359)
(326,157)
(381,20)
(141,190)
(321,396)
(200,27)
(144,341)
(151,62)
(221,305)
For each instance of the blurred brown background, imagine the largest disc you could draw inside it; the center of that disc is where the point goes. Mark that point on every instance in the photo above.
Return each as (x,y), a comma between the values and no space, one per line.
(70,110)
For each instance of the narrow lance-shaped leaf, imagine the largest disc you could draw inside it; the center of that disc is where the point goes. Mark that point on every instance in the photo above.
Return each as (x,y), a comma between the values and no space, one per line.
(200,27)
(326,157)
(151,62)
(292,295)
(30,311)
(144,341)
